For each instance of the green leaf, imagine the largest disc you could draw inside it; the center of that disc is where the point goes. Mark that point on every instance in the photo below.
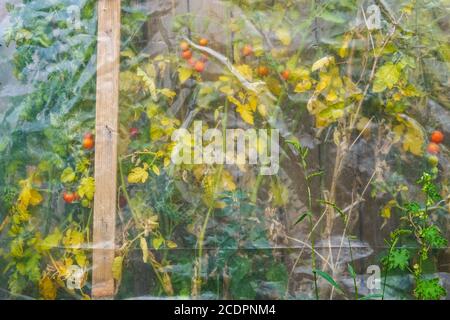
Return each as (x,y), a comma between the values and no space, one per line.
(351,271)
(397,258)
(429,289)
(302,217)
(432,235)
(68,175)
(386,77)
(52,240)
(315,174)
(335,207)
(295,144)
(329,279)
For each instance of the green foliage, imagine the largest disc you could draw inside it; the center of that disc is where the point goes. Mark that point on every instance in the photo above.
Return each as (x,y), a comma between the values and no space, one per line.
(429,289)
(419,228)
(433,237)
(397,258)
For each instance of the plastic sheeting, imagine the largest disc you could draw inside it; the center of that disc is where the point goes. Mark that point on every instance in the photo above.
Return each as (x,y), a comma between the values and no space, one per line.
(328,201)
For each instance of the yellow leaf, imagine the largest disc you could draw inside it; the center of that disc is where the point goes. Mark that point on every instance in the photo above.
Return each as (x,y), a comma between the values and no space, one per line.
(227,90)
(16,248)
(300,74)
(168,93)
(155,169)
(47,288)
(262,109)
(321,63)
(167,284)
(52,240)
(284,36)
(28,196)
(303,85)
(144,248)
(81,259)
(117,268)
(128,53)
(73,239)
(245,71)
(246,114)
(325,81)
(315,106)
(227,181)
(280,193)
(411,134)
(386,211)
(67,175)
(343,50)
(138,175)
(184,74)
(331,96)
(157,242)
(86,189)
(386,77)
(149,82)
(170,244)
(35,197)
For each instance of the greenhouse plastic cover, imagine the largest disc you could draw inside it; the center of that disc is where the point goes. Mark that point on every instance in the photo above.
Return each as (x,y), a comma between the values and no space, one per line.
(344,194)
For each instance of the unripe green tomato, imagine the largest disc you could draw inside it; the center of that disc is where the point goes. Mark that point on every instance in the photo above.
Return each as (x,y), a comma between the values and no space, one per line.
(433,160)
(85,203)
(434,171)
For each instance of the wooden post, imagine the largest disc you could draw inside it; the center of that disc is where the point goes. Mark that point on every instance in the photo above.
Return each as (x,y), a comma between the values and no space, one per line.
(106,132)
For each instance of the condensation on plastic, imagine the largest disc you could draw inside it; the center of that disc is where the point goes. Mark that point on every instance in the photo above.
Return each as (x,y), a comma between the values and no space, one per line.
(207,231)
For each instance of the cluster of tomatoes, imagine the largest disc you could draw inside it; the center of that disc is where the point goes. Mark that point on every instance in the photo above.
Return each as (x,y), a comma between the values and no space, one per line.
(436,138)
(263,70)
(88,144)
(199,65)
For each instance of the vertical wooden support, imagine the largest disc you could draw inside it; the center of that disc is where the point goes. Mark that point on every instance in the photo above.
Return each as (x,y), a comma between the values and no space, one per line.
(107,107)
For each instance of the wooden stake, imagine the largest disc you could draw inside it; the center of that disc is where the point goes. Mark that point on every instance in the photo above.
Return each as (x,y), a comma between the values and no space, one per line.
(106,131)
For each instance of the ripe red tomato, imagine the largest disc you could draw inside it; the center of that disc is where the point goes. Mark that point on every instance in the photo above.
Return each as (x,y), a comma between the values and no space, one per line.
(286,74)
(88,135)
(134,132)
(437,136)
(199,66)
(203,42)
(263,71)
(186,54)
(122,201)
(68,197)
(433,148)
(88,143)
(184,45)
(192,62)
(247,50)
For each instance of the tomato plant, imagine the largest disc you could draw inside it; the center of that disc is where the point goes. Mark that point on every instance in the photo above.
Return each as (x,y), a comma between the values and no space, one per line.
(361,106)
